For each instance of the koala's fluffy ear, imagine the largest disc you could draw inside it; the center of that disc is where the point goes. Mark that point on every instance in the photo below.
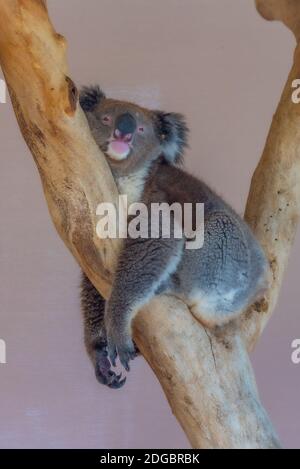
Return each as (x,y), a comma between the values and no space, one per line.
(90,97)
(172,131)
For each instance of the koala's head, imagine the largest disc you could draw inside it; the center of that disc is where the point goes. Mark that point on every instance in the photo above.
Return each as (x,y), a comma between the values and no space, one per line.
(130,135)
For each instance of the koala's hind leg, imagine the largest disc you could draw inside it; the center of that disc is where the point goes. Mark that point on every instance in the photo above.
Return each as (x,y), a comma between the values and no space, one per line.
(145,264)
(232,271)
(93,306)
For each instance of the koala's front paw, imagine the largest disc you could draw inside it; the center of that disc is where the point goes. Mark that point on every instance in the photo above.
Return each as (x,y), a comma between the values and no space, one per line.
(103,371)
(120,344)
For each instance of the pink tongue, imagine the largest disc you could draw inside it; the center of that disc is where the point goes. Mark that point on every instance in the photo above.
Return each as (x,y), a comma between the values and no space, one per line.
(119,149)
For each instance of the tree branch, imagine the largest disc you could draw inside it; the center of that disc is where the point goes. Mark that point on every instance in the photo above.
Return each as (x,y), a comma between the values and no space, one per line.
(273,204)
(206,374)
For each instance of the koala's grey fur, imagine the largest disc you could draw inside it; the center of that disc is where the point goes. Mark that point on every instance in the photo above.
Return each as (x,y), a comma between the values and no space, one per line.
(217,281)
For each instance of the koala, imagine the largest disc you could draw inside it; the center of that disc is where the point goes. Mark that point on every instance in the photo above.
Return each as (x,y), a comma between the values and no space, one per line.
(144,149)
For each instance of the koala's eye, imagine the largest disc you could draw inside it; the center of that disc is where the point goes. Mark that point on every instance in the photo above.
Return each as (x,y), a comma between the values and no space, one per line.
(106,119)
(141,129)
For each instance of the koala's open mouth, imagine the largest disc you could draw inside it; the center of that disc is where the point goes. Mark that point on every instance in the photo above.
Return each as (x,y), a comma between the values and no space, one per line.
(118,149)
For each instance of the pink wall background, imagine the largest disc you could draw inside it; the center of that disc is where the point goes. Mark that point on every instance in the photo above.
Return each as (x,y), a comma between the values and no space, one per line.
(224,67)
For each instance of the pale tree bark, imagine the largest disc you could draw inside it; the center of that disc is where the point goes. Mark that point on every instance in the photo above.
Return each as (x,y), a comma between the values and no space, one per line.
(205,374)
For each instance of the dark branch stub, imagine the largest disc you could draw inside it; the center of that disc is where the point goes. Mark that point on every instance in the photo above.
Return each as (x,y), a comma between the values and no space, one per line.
(73,94)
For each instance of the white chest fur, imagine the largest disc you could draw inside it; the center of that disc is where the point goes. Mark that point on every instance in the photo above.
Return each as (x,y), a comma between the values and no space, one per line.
(132,185)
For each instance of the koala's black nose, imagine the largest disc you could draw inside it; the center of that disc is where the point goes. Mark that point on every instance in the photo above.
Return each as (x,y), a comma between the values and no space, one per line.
(126,124)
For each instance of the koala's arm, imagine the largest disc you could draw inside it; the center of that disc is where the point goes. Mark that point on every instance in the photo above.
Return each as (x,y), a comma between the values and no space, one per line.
(145,264)
(93,307)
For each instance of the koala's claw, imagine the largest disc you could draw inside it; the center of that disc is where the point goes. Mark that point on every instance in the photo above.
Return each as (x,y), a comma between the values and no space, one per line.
(112,353)
(125,350)
(103,371)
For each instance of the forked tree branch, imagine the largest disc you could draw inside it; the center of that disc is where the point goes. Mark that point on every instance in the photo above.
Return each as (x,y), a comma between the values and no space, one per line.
(206,374)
